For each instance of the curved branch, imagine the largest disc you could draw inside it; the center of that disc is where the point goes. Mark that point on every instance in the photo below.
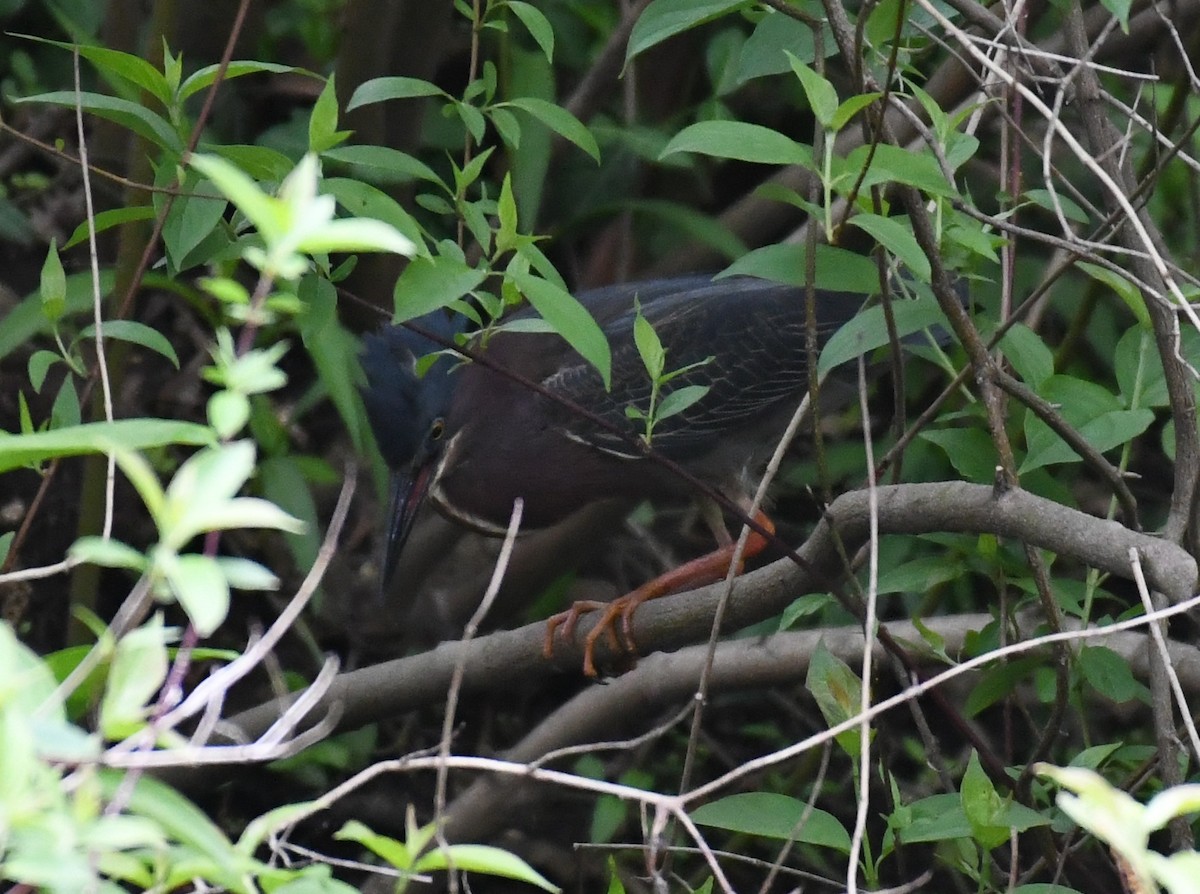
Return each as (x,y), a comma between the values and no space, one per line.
(511,658)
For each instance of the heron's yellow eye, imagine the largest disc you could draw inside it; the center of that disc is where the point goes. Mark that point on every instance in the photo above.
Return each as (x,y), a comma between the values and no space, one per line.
(437,429)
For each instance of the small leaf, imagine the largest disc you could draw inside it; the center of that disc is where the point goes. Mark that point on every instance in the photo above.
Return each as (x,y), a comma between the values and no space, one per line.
(130,115)
(868,331)
(1126,291)
(98,437)
(246,574)
(107,552)
(431,283)
(106,220)
(200,587)
(983,806)
(837,691)
(851,107)
(650,348)
(666,18)
(570,319)
(1028,354)
(506,216)
(536,24)
(741,141)
(679,400)
(1110,675)
(837,270)
(207,76)
(394,852)
(386,165)
(558,120)
(322,121)
(484,859)
(822,98)
(136,333)
(139,667)
(381,89)
(776,816)
(263,211)
(53,285)
(897,239)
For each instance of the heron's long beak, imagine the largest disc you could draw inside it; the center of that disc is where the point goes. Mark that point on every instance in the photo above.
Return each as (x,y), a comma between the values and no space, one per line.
(408,493)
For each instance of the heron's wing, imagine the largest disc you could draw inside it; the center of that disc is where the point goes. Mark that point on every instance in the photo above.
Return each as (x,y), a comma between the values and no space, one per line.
(743,339)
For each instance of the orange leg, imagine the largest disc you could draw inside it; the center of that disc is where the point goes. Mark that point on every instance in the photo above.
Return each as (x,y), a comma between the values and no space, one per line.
(704,570)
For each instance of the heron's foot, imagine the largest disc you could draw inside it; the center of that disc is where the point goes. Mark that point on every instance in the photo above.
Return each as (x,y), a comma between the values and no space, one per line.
(620,643)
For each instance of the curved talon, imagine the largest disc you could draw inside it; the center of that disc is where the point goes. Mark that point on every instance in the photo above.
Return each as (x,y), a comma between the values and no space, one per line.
(564,623)
(568,621)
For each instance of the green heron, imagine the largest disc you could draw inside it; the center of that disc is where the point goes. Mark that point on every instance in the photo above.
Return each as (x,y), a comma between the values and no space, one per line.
(473,440)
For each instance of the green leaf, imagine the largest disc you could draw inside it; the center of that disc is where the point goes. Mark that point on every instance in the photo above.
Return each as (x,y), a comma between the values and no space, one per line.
(178,817)
(259,162)
(136,333)
(246,574)
(322,122)
(536,24)
(137,118)
(98,437)
(771,815)
(228,412)
(266,213)
(40,363)
(570,319)
(1109,674)
(365,201)
(382,89)
(506,217)
(898,239)
(666,18)
(822,98)
(139,667)
(484,859)
(134,69)
(27,319)
(106,220)
(983,806)
(1028,354)
(396,853)
(1044,199)
(53,285)
(998,681)
(896,164)
(385,165)
(868,330)
(649,346)
(851,107)
(1120,10)
(1103,432)
(838,693)
(430,283)
(776,35)
(679,400)
(741,141)
(207,76)
(837,270)
(1140,372)
(108,552)
(356,235)
(558,120)
(920,575)
(1126,291)
(200,587)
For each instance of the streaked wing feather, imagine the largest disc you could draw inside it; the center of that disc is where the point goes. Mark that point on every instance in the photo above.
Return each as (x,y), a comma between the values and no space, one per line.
(753,330)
